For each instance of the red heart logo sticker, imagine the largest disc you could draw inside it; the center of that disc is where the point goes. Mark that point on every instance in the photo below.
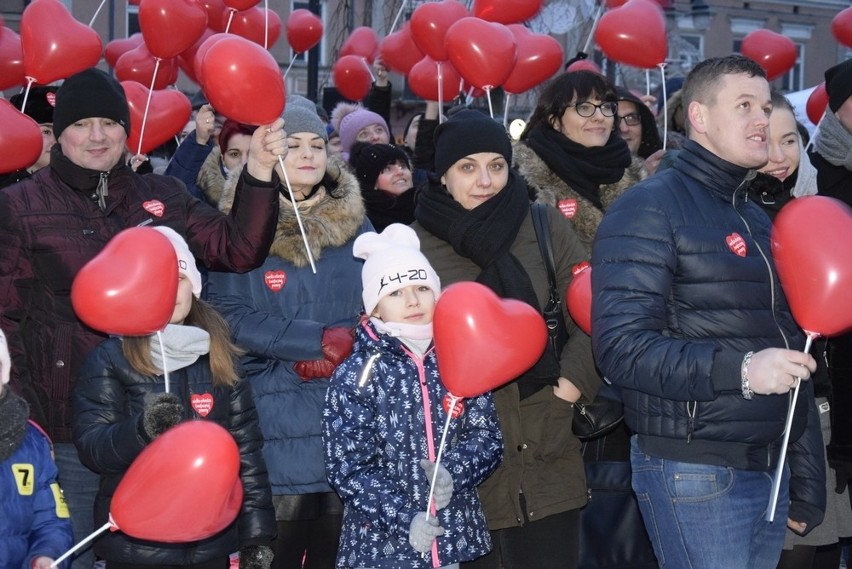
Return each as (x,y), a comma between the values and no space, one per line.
(154,207)
(568,208)
(457,409)
(275,280)
(736,244)
(202,404)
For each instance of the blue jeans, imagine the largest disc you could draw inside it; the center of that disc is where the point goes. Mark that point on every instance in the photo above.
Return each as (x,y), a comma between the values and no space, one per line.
(80,486)
(702,516)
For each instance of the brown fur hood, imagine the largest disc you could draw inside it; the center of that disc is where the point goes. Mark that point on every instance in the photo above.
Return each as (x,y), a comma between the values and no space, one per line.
(551,189)
(210,179)
(328,221)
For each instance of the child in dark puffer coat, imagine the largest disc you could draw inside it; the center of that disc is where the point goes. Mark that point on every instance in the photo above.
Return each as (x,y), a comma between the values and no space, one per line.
(384,417)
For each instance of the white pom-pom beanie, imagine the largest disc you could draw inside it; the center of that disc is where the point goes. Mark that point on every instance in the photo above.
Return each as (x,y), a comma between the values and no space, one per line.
(392,261)
(185,258)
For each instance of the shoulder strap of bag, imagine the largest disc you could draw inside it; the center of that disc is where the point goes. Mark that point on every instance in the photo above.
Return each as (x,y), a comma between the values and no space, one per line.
(542,234)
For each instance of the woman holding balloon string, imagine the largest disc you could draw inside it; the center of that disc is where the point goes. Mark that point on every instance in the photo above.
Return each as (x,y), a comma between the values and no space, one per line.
(474,223)
(788,175)
(294,317)
(384,422)
(121,405)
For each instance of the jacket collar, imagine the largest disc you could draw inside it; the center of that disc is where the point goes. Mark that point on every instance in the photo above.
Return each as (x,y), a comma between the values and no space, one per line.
(719,176)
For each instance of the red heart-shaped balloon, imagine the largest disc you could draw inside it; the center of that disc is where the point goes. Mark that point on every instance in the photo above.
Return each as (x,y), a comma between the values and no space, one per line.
(579,297)
(56,45)
(352,77)
(139,64)
(817,102)
(129,288)
(118,47)
(201,51)
(841,27)
(171,26)
(186,60)
(362,42)
(239,5)
(20,139)
(429,24)
(184,486)
(423,80)
(506,11)
(12,71)
(539,57)
(304,30)
(774,52)
(168,112)
(252,25)
(634,34)
(482,52)
(399,52)
(483,341)
(816,278)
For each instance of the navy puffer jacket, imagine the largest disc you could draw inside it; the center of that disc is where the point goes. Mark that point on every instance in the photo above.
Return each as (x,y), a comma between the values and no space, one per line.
(684,285)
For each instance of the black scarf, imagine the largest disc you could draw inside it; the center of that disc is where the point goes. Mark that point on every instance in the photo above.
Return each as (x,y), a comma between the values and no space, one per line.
(384,208)
(485,235)
(583,168)
(14,413)
(83,179)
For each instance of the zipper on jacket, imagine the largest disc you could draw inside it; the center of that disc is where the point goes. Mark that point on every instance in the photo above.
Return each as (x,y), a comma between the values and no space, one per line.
(102,191)
(691,410)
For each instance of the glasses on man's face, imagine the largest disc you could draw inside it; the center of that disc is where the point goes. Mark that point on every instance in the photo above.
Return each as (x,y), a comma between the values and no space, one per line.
(631,119)
(587,109)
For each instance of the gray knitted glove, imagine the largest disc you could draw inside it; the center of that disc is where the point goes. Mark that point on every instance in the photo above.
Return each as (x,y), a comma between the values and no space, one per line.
(443,484)
(162,412)
(256,557)
(423,532)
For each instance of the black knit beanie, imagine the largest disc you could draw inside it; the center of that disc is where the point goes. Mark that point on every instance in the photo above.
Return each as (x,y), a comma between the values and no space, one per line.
(838,84)
(88,94)
(469,132)
(370,159)
(40,103)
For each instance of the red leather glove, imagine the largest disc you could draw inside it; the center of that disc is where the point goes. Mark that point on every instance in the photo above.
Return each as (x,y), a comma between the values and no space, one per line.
(336,344)
(314,369)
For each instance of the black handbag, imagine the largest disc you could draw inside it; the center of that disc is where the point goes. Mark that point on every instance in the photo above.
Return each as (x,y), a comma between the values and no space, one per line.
(591,418)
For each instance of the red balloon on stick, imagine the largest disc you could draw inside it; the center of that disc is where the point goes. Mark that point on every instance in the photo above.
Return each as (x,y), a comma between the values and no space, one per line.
(816,277)
(817,102)
(362,42)
(579,297)
(775,53)
(304,30)
(202,51)
(841,27)
(399,52)
(539,57)
(139,64)
(183,487)
(482,52)
(423,80)
(252,25)
(168,112)
(171,26)
(118,47)
(634,34)
(429,24)
(56,45)
(242,80)
(483,341)
(216,14)
(11,59)
(20,139)
(351,77)
(129,288)
(186,60)
(506,11)
(240,4)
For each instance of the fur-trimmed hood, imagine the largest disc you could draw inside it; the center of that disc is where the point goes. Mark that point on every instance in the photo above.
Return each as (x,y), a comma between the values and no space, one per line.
(551,189)
(210,178)
(328,221)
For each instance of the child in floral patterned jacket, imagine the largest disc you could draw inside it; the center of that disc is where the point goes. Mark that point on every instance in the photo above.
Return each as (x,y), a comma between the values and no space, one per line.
(384,417)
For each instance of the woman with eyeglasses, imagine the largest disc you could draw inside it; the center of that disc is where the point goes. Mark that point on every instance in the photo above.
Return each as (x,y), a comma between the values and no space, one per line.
(573,157)
(571,153)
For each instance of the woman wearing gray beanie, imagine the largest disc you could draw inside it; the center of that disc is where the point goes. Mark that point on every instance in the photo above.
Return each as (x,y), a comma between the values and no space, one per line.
(475,223)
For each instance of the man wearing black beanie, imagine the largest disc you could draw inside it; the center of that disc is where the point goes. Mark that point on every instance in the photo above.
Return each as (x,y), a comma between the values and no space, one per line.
(40,103)
(54,222)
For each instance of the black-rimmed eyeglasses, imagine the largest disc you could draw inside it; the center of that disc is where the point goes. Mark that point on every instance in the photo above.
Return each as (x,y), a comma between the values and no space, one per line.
(587,109)
(630,119)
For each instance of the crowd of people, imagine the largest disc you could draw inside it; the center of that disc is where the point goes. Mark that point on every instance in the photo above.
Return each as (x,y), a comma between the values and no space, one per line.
(312,253)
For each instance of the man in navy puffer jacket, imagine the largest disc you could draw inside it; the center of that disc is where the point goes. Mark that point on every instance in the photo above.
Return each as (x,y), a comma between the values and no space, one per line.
(690,321)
